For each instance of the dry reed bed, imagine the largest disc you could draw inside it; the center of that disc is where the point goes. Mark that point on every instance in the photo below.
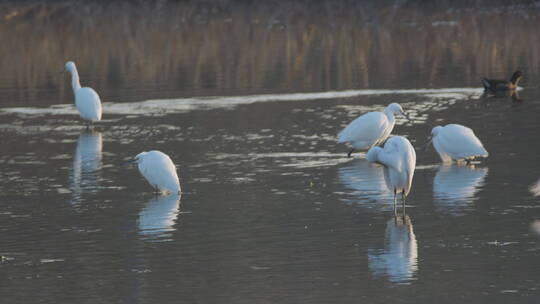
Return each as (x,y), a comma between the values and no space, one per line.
(226,47)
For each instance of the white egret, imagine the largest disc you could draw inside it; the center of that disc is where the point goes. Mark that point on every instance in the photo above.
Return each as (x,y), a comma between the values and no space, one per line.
(456,142)
(399,258)
(159,170)
(87,100)
(399,160)
(370,129)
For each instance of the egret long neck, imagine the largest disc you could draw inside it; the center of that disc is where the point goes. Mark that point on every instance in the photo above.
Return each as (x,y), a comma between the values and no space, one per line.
(390,115)
(373,154)
(75,84)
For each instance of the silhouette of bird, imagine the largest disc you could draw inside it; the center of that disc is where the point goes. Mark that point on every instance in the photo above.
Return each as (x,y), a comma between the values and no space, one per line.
(497,85)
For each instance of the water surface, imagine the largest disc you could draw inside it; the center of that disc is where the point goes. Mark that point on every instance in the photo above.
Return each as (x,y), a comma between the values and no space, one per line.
(272,211)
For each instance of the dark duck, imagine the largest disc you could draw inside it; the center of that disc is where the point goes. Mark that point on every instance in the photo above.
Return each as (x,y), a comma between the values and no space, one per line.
(499,85)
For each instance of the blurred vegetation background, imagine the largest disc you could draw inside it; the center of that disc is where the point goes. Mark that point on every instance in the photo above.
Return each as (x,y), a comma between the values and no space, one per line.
(128,50)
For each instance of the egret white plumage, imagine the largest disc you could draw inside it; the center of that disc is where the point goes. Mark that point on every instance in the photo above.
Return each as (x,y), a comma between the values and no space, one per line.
(456,142)
(159,170)
(370,129)
(399,160)
(87,100)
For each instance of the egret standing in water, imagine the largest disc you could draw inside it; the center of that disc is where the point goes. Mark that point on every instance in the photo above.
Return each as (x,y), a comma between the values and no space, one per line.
(87,100)
(456,142)
(399,160)
(159,170)
(370,129)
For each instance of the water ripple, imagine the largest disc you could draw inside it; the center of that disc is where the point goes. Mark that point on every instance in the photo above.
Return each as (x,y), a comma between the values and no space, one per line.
(179,105)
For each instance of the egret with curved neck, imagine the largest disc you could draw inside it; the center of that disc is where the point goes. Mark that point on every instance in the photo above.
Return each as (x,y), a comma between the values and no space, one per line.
(87,100)
(399,160)
(159,170)
(456,142)
(370,129)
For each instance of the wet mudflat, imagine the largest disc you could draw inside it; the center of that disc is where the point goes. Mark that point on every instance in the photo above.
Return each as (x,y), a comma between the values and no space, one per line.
(272,211)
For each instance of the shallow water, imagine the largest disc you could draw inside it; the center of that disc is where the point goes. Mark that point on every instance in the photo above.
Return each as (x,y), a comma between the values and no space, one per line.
(272,211)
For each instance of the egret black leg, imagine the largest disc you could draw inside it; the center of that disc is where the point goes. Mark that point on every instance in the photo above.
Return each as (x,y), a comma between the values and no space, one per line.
(395,202)
(350,152)
(403,197)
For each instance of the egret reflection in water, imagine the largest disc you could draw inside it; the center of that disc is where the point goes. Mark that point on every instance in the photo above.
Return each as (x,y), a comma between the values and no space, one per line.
(535,227)
(87,164)
(455,186)
(367,181)
(535,188)
(398,260)
(159,215)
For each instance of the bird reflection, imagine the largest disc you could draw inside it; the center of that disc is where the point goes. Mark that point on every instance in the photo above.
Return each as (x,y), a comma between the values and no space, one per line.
(455,186)
(366,179)
(398,260)
(512,95)
(86,164)
(535,188)
(158,217)
(535,227)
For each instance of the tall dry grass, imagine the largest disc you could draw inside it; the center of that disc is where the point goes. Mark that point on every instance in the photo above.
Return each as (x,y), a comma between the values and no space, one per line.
(139,50)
